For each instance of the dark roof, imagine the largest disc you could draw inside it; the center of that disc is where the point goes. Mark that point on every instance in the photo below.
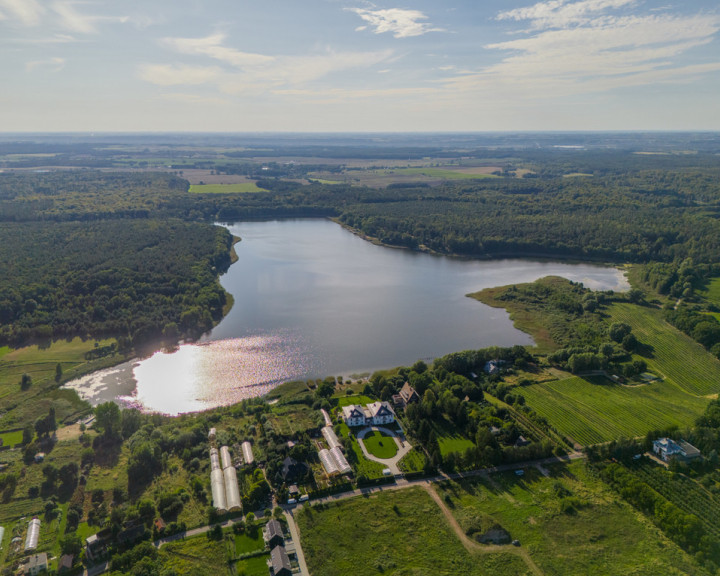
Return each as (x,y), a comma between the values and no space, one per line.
(66,562)
(292,469)
(273,529)
(408,393)
(280,561)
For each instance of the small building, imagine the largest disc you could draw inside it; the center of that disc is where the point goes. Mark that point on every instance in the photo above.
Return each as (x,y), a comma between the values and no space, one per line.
(495,431)
(292,470)
(273,534)
(160,525)
(36,564)
(248,453)
(521,441)
(33,535)
(39,457)
(65,563)
(96,545)
(334,462)
(668,449)
(212,434)
(280,562)
(493,366)
(407,395)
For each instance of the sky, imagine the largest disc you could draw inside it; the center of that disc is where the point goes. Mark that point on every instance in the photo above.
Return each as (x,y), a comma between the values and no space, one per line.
(359,66)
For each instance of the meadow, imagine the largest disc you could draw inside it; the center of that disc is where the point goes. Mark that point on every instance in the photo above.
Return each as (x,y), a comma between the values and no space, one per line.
(239,188)
(568,522)
(593,409)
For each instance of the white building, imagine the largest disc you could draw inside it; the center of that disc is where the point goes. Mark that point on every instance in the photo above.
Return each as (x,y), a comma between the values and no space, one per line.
(247,453)
(217,485)
(36,564)
(232,491)
(330,437)
(225,460)
(375,414)
(334,462)
(33,535)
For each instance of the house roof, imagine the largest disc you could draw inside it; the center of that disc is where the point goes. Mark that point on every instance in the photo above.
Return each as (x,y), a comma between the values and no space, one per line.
(380,409)
(37,560)
(353,411)
(408,393)
(279,560)
(66,561)
(273,529)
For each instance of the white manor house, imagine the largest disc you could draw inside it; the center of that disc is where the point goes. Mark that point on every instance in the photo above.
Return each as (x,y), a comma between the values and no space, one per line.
(374,414)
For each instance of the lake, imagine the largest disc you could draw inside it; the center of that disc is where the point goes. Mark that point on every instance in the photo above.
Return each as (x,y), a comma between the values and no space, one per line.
(313,300)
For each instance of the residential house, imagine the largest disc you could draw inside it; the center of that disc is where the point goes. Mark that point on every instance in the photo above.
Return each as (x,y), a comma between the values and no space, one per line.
(380,413)
(407,395)
(273,534)
(36,564)
(354,415)
(668,449)
(280,562)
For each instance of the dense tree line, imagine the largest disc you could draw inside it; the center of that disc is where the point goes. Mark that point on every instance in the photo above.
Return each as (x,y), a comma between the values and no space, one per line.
(136,279)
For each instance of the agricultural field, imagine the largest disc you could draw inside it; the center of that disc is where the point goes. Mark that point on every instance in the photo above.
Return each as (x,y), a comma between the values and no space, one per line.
(684,492)
(674,356)
(396,532)
(568,522)
(239,188)
(594,409)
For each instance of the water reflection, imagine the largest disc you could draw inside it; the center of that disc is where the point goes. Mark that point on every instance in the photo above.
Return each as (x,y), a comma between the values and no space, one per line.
(312,300)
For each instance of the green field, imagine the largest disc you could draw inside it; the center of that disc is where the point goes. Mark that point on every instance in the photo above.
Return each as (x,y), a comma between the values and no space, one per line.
(454,443)
(592,410)
(675,356)
(241,188)
(712,292)
(598,534)
(380,444)
(444,173)
(11,438)
(400,532)
(357,399)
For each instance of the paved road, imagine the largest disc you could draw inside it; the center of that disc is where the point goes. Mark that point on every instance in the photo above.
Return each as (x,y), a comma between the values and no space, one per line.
(295,535)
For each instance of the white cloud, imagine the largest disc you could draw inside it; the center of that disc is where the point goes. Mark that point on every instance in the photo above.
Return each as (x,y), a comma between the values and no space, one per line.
(401,23)
(72,19)
(212,46)
(169,75)
(28,12)
(243,72)
(51,64)
(562,13)
(585,46)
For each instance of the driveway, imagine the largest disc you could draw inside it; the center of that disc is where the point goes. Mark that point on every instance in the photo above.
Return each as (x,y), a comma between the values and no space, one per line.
(391,463)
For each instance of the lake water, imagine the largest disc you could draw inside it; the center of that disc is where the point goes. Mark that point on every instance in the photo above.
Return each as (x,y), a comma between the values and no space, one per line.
(312,300)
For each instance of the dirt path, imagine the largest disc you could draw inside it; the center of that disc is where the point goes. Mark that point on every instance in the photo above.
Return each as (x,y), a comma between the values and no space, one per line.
(475,547)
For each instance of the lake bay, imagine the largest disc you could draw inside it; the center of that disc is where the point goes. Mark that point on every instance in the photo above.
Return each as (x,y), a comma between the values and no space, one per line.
(312,300)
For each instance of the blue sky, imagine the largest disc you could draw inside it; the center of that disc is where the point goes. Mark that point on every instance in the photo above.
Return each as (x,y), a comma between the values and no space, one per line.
(337,65)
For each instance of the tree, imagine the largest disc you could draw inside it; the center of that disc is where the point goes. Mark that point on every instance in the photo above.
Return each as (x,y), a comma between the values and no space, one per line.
(25,381)
(28,434)
(71,544)
(618,331)
(107,418)
(58,372)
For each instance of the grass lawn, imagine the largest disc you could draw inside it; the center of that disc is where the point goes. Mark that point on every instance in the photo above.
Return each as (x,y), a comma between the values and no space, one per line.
(244,543)
(399,532)
(454,443)
(256,566)
(11,438)
(380,444)
(413,461)
(357,399)
(594,409)
(242,188)
(602,536)
(196,557)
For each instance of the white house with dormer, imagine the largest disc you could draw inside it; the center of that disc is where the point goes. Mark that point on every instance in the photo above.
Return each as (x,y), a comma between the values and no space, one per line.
(374,414)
